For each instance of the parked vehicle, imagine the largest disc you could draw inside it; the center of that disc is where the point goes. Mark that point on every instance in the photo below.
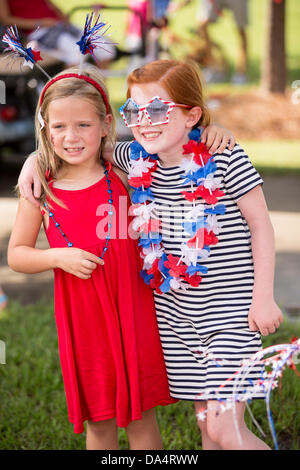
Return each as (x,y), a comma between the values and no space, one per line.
(19,90)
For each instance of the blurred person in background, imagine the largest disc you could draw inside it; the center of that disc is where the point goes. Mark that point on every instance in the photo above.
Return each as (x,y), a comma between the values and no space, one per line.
(209,12)
(49,29)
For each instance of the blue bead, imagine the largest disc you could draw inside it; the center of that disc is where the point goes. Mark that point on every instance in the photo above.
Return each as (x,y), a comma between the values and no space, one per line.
(109,225)
(51,214)
(108,237)
(56,224)
(110,212)
(70,244)
(110,201)
(105,249)
(109,191)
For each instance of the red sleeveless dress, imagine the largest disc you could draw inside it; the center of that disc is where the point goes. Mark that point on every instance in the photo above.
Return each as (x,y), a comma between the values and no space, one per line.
(109,345)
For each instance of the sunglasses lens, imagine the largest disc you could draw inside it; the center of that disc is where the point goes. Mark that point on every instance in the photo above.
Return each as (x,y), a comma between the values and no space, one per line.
(157,111)
(131,113)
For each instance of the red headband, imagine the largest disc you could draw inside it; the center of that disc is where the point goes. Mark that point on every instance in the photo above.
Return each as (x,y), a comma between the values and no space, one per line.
(81,77)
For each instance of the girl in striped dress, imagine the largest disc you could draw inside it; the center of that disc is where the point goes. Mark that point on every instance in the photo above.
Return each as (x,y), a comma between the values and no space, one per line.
(207,244)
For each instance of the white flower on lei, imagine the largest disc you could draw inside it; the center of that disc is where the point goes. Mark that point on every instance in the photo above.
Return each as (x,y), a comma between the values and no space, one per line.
(143,214)
(189,166)
(138,167)
(177,283)
(151,254)
(213,224)
(190,255)
(195,213)
(210,182)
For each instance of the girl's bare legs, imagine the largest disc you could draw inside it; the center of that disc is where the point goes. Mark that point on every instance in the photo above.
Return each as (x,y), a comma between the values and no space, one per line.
(144,434)
(102,435)
(222,431)
(207,442)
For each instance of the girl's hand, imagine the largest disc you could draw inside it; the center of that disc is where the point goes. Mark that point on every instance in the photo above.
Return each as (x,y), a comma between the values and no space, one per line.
(75,261)
(216,138)
(29,177)
(264,316)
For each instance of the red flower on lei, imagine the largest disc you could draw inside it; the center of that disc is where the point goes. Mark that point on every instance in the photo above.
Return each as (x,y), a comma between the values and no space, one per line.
(176,269)
(201,238)
(144,180)
(210,197)
(151,226)
(199,150)
(193,280)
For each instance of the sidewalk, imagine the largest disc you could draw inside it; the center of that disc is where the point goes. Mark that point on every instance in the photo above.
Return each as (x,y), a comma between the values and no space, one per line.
(283,199)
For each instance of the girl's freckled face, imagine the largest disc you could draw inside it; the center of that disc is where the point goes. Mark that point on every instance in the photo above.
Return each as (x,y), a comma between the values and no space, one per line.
(75,130)
(162,139)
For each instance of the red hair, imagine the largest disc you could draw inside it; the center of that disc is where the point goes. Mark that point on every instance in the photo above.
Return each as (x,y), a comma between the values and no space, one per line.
(181,80)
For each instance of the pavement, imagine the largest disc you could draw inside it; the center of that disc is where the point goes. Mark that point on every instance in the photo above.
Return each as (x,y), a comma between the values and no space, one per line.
(283,199)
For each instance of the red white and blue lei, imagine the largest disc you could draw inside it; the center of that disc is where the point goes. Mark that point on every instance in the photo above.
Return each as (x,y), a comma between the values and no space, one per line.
(167,272)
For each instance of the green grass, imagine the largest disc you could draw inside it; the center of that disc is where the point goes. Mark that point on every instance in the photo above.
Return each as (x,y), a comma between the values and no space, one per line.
(33,406)
(271,156)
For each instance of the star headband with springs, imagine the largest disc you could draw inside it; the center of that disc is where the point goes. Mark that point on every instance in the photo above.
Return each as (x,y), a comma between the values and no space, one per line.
(91,38)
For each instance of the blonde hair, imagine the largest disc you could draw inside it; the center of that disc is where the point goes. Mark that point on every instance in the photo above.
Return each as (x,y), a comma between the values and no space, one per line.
(181,80)
(48,162)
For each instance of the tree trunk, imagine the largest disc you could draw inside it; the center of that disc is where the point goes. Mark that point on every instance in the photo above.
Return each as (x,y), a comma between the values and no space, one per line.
(273,66)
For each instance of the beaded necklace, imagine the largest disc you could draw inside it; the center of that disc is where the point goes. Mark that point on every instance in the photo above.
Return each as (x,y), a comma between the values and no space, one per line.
(107,167)
(166,272)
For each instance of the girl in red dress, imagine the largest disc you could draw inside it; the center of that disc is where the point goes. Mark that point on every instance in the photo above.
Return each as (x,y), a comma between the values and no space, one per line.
(110,352)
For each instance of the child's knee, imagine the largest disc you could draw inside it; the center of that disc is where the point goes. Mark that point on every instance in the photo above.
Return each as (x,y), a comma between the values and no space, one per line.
(148,421)
(220,431)
(101,428)
(215,432)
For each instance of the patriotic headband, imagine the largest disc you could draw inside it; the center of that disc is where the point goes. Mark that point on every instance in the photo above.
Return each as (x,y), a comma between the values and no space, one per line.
(80,77)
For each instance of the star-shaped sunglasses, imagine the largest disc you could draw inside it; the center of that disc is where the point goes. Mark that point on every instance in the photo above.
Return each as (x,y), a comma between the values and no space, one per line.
(156,111)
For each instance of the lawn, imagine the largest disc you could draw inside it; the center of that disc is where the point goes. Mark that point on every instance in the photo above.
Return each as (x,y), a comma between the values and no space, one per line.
(33,407)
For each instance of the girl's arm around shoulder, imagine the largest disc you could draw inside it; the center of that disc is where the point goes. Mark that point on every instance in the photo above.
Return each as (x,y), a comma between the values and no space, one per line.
(264,314)
(22,254)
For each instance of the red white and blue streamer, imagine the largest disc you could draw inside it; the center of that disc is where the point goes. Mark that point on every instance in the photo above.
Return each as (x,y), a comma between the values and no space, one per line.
(30,56)
(273,360)
(94,35)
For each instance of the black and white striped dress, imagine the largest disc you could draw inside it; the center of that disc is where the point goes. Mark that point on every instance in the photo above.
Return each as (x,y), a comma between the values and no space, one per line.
(211,318)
